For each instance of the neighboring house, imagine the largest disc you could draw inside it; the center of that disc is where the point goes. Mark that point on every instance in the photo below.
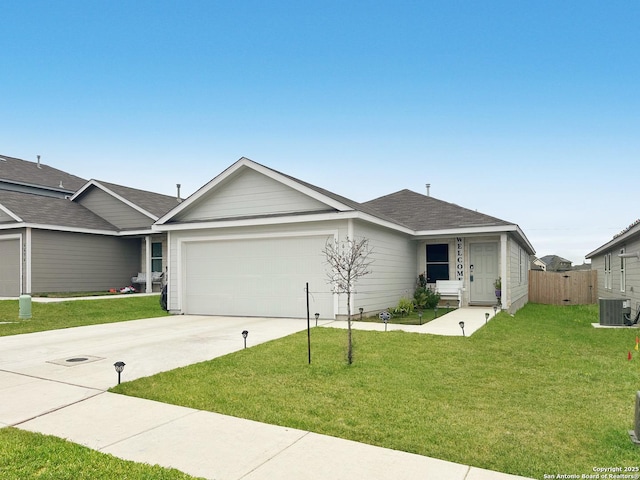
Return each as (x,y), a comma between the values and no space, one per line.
(248,242)
(554,263)
(537,264)
(618,265)
(61,233)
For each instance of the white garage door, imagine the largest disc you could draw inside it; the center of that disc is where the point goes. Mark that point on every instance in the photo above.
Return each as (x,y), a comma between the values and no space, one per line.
(9,267)
(256,277)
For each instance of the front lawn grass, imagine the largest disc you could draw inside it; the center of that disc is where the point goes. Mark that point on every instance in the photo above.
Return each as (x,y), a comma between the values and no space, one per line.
(412,318)
(26,455)
(539,393)
(75,313)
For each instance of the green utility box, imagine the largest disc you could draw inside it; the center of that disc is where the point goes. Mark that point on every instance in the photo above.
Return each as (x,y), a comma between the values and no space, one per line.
(25,306)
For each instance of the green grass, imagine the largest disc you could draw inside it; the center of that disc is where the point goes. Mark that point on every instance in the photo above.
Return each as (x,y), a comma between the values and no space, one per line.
(539,393)
(51,316)
(32,455)
(407,319)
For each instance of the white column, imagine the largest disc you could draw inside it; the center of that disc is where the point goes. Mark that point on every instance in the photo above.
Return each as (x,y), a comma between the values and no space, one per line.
(27,263)
(504,260)
(147,262)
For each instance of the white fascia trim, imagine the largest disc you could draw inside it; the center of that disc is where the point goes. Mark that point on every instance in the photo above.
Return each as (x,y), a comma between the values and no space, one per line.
(10,213)
(245,162)
(468,230)
(462,231)
(251,222)
(59,228)
(97,184)
(614,242)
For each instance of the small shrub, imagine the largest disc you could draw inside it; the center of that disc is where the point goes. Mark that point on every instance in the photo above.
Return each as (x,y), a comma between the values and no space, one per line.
(425,298)
(404,307)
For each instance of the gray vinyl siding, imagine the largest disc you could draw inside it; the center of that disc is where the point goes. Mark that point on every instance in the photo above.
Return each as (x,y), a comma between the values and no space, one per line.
(68,262)
(10,259)
(518,281)
(5,217)
(393,269)
(250,193)
(632,273)
(113,210)
(46,192)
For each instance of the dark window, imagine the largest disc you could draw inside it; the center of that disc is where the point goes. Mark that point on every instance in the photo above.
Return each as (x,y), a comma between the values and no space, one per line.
(156,257)
(437,262)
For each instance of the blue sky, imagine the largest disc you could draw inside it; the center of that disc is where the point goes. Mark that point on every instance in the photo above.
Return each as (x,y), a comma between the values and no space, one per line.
(527,111)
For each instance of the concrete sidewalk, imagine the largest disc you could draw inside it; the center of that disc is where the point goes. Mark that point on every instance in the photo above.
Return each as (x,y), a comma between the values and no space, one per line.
(42,393)
(448,323)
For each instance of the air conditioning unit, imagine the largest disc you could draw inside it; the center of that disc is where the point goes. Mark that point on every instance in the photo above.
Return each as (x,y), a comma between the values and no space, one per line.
(613,310)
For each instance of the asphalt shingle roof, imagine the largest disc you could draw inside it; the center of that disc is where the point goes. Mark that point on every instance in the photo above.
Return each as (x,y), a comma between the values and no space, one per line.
(40,210)
(155,203)
(29,173)
(412,210)
(421,212)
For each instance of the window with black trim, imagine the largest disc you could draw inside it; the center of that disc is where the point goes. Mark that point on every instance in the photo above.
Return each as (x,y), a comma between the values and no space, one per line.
(156,256)
(437,262)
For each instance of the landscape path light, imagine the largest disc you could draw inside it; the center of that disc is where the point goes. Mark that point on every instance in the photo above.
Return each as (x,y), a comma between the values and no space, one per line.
(486,317)
(317,315)
(119,366)
(435,311)
(420,316)
(361,310)
(495,310)
(462,327)
(385,316)
(244,335)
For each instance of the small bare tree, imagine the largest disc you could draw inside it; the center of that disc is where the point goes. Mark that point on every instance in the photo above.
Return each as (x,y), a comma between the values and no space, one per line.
(349,261)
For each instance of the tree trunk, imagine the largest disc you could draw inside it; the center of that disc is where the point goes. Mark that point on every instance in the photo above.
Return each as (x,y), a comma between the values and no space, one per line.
(349,341)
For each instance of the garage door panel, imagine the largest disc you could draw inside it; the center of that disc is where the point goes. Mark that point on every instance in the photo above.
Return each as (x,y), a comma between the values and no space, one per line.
(9,268)
(258,277)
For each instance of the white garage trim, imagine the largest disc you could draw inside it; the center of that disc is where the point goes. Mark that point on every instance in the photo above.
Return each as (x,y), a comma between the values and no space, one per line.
(182,243)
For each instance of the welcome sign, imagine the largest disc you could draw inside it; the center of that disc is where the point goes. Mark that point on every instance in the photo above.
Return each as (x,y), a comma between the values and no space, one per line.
(459,258)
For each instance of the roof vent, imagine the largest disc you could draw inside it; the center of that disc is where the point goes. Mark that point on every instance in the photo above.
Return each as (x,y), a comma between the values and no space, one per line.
(60,184)
(428,185)
(39,166)
(178,194)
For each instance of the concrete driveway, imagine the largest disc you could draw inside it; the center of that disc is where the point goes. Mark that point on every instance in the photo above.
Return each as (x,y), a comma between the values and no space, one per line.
(146,347)
(54,383)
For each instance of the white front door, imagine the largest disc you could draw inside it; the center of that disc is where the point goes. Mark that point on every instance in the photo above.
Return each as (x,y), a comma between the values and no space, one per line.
(483,272)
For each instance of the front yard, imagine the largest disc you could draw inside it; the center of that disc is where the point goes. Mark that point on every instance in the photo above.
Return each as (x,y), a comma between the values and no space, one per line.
(51,316)
(539,393)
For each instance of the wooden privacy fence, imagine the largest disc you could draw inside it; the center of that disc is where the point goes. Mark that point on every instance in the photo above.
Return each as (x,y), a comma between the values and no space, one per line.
(575,287)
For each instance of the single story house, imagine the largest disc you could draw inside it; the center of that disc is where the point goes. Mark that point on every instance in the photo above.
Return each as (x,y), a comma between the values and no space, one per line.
(554,263)
(248,242)
(61,233)
(618,265)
